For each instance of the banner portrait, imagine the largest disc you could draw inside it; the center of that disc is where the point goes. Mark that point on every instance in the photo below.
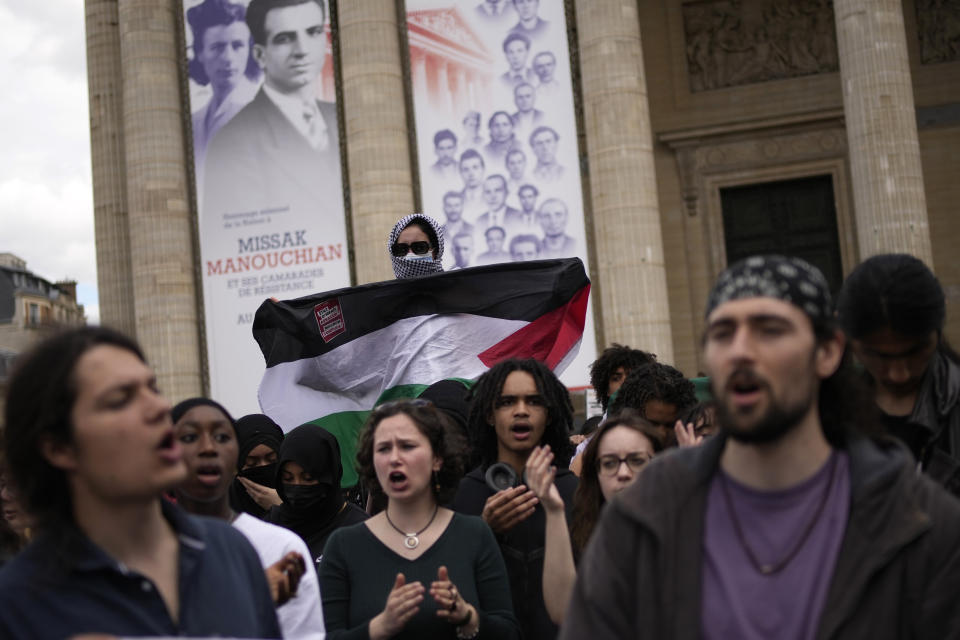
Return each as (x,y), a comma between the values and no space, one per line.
(497,135)
(268,172)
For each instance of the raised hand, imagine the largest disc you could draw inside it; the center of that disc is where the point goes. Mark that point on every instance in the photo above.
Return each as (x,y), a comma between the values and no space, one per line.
(505,509)
(265,497)
(540,476)
(402,604)
(686,434)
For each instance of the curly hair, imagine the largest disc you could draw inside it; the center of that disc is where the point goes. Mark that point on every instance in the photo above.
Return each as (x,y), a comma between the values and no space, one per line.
(444,438)
(654,381)
(486,392)
(588,498)
(614,357)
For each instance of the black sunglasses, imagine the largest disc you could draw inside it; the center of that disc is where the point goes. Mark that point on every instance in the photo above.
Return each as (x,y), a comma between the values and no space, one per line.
(400,249)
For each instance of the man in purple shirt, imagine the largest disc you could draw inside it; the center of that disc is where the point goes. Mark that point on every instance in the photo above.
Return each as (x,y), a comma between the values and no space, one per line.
(792,523)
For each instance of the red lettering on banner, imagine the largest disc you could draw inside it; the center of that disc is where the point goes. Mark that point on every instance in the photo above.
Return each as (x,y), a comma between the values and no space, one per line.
(273,259)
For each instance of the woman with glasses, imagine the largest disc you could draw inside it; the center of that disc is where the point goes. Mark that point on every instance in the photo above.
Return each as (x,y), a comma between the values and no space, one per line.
(416,569)
(416,246)
(616,455)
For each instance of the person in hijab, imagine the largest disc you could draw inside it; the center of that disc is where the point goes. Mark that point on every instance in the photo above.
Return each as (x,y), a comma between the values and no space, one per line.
(308,481)
(207,435)
(254,490)
(416,246)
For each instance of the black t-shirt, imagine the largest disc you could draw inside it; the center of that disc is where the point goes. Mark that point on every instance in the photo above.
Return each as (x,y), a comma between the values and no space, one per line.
(910,434)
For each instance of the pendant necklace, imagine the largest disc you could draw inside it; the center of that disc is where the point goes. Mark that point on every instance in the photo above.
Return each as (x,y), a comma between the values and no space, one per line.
(770,568)
(411,540)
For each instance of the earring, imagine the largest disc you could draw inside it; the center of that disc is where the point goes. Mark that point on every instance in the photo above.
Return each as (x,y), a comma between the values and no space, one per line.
(436,482)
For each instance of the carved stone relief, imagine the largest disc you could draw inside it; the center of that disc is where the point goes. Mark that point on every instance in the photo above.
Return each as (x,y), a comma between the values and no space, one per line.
(731,43)
(938,29)
(699,158)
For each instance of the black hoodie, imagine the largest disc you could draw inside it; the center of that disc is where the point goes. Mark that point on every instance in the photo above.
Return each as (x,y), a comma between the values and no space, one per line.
(316,450)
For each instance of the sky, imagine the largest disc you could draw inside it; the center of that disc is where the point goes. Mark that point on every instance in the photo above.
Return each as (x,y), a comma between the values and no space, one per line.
(46,192)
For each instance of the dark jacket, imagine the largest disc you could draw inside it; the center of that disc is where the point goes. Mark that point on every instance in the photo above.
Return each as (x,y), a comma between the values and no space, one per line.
(897,574)
(937,413)
(522,548)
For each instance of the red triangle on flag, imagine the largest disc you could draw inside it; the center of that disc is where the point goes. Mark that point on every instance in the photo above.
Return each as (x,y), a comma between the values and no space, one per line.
(548,338)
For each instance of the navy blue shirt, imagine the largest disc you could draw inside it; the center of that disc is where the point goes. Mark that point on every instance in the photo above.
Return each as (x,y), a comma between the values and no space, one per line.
(223,590)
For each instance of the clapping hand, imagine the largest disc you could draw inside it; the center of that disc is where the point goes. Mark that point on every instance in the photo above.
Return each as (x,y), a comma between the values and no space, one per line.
(450,604)
(540,476)
(283,577)
(505,509)
(402,604)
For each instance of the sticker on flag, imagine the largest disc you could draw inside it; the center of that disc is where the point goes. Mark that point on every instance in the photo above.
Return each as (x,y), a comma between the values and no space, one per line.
(329,319)
(404,335)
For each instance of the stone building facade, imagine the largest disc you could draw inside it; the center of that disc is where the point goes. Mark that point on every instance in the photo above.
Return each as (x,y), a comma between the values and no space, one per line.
(710,129)
(30,308)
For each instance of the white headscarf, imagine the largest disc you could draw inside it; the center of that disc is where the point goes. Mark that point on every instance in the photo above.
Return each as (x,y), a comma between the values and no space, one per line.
(404,268)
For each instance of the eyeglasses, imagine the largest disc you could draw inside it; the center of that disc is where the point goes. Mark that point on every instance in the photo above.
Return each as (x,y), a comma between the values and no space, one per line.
(400,249)
(610,464)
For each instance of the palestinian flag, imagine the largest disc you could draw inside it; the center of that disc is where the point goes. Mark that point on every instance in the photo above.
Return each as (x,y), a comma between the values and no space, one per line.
(332,357)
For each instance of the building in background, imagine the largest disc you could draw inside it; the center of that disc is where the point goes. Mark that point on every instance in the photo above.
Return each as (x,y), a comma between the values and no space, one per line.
(707,130)
(30,308)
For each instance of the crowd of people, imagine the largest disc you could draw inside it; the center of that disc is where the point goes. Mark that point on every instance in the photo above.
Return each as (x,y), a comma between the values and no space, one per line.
(814,494)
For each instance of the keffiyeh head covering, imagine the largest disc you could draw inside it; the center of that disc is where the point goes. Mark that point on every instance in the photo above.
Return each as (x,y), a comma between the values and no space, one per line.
(403,268)
(789,279)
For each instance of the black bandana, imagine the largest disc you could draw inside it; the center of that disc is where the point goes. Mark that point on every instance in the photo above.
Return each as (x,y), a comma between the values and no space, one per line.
(789,279)
(403,268)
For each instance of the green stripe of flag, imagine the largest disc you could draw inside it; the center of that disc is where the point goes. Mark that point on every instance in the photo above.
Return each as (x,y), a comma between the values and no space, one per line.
(346,425)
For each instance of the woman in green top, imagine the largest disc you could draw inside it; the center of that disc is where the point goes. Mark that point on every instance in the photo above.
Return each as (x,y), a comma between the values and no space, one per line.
(415,570)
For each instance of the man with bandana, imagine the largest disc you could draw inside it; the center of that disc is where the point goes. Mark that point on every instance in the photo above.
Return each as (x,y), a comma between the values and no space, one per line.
(793,522)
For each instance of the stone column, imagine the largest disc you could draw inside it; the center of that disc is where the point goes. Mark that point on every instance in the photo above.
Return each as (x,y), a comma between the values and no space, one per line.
(631,277)
(378,148)
(114,283)
(161,226)
(891,208)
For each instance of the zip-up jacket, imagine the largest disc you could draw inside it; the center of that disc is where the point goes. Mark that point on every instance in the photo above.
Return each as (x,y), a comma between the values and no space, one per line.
(897,573)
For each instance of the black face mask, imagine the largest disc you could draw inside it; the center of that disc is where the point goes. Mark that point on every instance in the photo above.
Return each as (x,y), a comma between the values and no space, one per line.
(303,497)
(265,475)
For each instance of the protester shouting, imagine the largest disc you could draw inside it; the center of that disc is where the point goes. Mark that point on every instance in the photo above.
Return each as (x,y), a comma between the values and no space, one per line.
(791,522)
(516,406)
(416,569)
(90,448)
(207,435)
